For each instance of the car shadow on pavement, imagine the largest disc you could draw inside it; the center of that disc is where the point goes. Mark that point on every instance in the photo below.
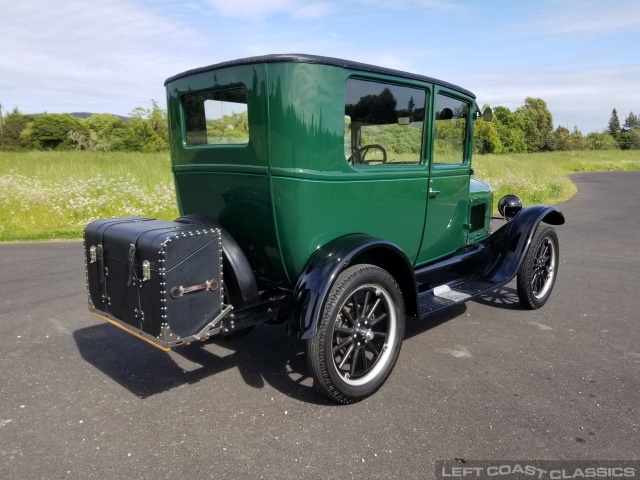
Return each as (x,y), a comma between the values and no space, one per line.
(414,326)
(267,355)
(502,297)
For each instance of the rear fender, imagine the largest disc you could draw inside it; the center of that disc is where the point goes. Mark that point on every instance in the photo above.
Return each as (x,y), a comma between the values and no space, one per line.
(240,283)
(326,263)
(506,248)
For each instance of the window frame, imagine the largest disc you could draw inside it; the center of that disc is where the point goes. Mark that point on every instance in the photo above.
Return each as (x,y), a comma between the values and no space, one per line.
(468,136)
(428,89)
(183,118)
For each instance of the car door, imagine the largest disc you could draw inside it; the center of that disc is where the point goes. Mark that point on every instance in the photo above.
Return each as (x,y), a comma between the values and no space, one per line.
(446,229)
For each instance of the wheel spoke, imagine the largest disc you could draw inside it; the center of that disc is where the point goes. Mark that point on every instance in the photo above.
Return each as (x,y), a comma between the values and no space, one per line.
(534,280)
(356,307)
(379,334)
(354,362)
(365,303)
(373,349)
(343,331)
(543,251)
(337,348)
(347,314)
(373,309)
(346,356)
(365,360)
(378,319)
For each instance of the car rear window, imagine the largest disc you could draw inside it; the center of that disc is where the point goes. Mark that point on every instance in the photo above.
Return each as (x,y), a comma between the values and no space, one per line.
(217,118)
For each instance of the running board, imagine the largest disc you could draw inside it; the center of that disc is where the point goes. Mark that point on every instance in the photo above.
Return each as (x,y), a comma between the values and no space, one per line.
(447,295)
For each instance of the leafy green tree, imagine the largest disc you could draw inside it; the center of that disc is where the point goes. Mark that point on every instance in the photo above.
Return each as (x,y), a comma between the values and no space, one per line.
(538,123)
(13,125)
(510,128)
(104,132)
(375,109)
(110,131)
(232,128)
(148,130)
(50,131)
(632,122)
(614,125)
(630,140)
(577,140)
(562,139)
(486,138)
(600,141)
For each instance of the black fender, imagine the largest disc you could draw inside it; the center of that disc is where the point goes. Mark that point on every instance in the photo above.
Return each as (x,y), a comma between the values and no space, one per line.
(326,263)
(239,280)
(506,248)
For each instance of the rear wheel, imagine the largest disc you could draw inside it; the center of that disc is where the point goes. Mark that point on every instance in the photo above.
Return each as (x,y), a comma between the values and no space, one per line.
(539,270)
(360,334)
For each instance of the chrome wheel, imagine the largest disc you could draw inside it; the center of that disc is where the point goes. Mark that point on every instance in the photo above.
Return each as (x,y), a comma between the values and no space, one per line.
(539,269)
(544,268)
(359,336)
(364,328)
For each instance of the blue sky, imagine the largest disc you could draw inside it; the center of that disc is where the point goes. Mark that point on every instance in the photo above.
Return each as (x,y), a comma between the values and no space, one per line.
(581,57)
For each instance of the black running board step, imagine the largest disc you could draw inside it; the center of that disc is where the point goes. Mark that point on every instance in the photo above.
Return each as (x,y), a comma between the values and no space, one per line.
(445,296)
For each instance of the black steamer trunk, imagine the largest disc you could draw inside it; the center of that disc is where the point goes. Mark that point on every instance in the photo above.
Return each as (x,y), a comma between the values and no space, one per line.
(159,280)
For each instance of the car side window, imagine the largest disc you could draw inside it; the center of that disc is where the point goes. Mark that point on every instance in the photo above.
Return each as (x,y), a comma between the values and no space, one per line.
(217,118)
(452,118)
(384,123)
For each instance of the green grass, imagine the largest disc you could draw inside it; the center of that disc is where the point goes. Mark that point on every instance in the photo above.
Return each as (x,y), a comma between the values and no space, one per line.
(49,195)
(46,195)
(541,178)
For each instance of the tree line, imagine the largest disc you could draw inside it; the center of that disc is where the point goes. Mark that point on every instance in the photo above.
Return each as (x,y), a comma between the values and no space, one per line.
(528,128)
(145,130)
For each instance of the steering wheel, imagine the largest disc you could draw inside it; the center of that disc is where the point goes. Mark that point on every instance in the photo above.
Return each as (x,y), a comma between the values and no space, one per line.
(364,149)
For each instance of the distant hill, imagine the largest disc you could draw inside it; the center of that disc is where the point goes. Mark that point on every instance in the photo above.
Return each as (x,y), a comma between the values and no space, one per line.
(86,115)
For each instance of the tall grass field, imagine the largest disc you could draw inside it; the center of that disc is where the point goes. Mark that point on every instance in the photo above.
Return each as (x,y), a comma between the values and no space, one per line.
(47,195)
(52,195)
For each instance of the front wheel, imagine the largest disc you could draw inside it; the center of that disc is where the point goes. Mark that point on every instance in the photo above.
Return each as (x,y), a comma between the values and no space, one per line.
(360,334)
(539,270)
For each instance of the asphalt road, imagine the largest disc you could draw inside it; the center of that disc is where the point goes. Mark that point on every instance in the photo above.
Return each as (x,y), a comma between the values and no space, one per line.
(487,380)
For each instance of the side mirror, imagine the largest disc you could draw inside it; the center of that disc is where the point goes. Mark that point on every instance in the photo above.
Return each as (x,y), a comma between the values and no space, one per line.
(487,114)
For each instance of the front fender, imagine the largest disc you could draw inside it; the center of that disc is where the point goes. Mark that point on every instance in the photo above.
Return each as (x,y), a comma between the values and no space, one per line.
(506,247)
(324,266)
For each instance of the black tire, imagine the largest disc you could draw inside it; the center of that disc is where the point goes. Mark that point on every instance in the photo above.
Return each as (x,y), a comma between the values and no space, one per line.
(539,270)
(359,336)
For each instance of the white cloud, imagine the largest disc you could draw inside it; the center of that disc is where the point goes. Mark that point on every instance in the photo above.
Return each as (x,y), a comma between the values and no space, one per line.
(314,11)
(582,97)
(439,6)
(587,17)
(108,55)
(260,9)
(251,8)
(114,55)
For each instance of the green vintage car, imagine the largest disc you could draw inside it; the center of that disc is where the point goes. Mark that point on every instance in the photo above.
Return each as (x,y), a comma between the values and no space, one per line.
(344,200)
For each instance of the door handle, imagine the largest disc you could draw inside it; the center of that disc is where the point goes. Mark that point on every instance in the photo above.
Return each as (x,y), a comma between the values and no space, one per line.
(433,193)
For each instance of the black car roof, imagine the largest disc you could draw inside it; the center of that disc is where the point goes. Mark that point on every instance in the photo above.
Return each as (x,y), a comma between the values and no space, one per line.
(302,58)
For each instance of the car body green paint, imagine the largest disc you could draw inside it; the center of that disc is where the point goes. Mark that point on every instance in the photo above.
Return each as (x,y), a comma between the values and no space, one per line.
(290,191)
